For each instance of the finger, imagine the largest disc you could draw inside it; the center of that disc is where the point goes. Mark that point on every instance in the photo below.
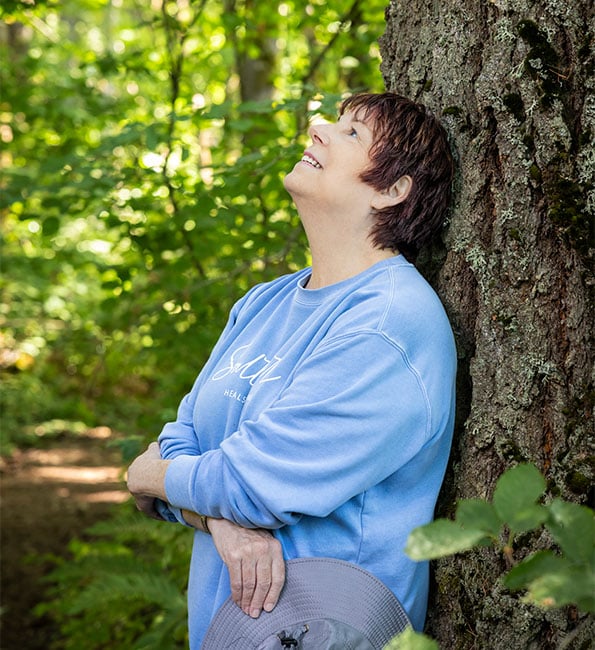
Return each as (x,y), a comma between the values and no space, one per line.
(277,582)
(235,581)
(248,587)
(146,505)
(262,587)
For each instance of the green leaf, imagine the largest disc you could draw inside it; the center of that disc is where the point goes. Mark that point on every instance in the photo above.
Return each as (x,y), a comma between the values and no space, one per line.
(571,587)
(516,492)
(249,158)
(534,567)
(527,518)
(255,107)
(411,640)
(50,226)
(440,538)
(553,581)
(217,111)
(573,528)
(477,513)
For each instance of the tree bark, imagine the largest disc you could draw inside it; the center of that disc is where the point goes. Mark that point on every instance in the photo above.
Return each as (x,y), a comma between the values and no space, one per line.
(513,82)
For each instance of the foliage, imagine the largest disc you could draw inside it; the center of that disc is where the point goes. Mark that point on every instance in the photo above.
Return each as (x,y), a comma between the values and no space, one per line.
(142,191)
(411,640)
(124,589)
(143,151)
(550,578)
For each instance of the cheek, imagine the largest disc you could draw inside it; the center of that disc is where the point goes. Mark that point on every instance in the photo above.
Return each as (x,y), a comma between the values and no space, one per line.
(354,173)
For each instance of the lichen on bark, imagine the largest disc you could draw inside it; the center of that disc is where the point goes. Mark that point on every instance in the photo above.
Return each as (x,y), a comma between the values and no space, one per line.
(513,83)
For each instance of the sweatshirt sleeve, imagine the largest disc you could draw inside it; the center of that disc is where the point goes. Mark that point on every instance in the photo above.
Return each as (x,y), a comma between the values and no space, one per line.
(353,413)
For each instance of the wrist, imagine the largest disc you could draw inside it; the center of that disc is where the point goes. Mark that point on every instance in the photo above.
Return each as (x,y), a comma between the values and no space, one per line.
(155,479)
(196,520)
(204,523)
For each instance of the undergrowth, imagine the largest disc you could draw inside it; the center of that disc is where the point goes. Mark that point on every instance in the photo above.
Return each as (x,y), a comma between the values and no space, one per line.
(123,589)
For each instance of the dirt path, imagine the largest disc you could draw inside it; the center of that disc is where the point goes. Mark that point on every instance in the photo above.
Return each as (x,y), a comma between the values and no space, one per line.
(49,495)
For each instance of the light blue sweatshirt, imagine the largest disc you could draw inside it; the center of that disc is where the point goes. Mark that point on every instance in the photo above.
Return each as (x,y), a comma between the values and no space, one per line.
(326,416)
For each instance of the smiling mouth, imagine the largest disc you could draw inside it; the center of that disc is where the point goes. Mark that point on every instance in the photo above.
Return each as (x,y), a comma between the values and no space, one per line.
(311,161)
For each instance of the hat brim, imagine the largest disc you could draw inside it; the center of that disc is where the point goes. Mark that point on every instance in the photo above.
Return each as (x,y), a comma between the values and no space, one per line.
(315,589)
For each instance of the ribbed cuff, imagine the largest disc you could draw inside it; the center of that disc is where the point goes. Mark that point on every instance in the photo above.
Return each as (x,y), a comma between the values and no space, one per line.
(178,483)
(170,513)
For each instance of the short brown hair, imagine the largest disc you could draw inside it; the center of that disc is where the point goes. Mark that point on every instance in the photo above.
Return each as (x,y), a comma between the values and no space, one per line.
(408,140)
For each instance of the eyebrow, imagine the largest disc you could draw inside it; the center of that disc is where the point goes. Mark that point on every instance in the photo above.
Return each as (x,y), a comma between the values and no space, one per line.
(356,121)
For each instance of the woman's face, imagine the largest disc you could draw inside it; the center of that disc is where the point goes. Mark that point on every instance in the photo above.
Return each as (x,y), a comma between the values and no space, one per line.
(329,172)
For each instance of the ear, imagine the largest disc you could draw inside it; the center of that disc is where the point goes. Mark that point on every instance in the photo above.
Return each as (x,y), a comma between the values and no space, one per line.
(395,194)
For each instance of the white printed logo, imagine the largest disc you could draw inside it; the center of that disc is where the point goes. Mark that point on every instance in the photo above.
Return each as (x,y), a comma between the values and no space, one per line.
(255,370)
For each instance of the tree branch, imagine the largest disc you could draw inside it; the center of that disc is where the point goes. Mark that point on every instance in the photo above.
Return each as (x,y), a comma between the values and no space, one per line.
(175,49)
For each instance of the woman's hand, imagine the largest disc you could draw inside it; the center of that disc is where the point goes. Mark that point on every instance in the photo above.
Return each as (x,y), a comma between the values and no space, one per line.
(255,562)
(145,479)
(253,557)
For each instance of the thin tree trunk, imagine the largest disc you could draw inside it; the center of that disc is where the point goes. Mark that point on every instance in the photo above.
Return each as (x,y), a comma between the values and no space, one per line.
(255,54)
(513,82)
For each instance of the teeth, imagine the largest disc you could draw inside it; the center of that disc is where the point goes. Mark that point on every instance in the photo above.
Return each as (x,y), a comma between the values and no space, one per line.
(308,159)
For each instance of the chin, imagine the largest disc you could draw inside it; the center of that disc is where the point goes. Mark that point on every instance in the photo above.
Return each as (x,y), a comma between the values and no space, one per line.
(290,182)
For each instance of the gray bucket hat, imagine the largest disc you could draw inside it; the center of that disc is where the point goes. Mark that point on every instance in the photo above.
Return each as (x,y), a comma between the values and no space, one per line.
(326,604)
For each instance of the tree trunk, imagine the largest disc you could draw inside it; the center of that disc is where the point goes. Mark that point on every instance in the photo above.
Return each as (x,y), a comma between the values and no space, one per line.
(256,52)
(513,81)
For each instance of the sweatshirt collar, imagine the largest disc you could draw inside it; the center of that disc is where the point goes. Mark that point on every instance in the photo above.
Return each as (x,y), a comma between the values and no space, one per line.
(319,296)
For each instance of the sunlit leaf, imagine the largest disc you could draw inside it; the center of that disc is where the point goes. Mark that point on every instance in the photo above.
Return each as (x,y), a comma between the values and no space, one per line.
(440,538)
(411,640)
(553,581)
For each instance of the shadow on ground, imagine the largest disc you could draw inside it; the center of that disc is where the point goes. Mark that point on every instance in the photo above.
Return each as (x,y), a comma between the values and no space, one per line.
(50,495)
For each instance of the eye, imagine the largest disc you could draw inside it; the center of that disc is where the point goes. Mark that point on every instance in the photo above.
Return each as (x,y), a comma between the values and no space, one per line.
(353,133)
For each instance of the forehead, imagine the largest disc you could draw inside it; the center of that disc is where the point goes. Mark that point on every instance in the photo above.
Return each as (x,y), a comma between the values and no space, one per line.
(361,114)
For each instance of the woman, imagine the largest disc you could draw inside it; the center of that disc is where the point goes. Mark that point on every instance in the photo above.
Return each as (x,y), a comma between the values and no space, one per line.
(325,413)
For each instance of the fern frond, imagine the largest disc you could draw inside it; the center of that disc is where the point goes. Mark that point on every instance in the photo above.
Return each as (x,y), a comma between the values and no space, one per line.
(168,633)
(149,588)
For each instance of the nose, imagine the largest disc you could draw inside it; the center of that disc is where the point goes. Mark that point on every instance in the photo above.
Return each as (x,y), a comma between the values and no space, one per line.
(319,133)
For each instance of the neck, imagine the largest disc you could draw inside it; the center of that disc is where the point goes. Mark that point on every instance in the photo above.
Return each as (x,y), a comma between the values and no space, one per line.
(339,240)
(335,263)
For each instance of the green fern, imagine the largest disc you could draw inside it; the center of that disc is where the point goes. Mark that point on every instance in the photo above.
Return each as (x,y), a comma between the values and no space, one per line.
(168,633)
(139,584)
(122,588)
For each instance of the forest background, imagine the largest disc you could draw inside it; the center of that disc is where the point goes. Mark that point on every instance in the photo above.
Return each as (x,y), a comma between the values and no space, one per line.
(143,150)
(143,147)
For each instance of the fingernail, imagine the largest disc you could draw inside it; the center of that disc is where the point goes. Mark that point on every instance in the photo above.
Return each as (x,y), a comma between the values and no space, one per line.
(255,613)
(268,607)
